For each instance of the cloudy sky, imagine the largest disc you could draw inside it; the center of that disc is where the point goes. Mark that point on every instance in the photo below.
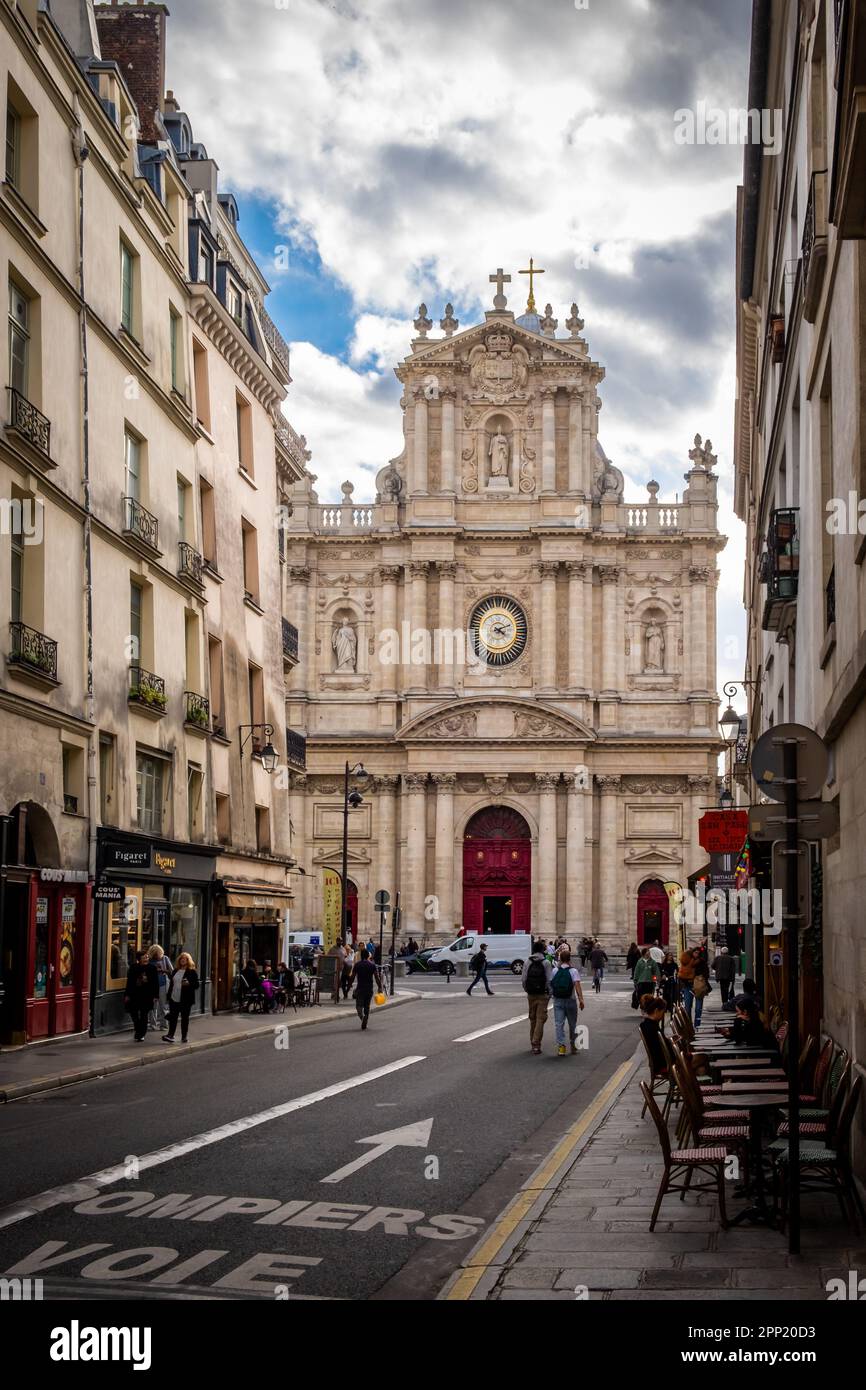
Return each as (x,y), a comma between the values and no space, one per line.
(394,151)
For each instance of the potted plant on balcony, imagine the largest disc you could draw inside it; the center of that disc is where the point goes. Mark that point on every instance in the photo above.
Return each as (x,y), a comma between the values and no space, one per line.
(198,715)
(147,695)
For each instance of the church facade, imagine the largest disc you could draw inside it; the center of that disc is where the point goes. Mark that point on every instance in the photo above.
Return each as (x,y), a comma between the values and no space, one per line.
(522,659)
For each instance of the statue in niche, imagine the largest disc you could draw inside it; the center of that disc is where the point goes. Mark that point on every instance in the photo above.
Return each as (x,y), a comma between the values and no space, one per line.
(654,647)
(345,645)
(499,455)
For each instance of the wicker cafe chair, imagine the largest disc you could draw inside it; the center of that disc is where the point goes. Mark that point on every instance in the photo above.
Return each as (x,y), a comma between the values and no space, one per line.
(823,1168)
(681,1165)
(729,1126)
(661,1083)
(822,1124)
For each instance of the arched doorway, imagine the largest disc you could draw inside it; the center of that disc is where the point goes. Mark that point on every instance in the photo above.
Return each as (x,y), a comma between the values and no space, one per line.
(497,872)
(653,914)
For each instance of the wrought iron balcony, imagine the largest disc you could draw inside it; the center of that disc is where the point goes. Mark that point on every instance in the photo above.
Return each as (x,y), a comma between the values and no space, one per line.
(290,641)
(197,710)
(147,690)
(296,750)
(29,422)
(189,562)
(780,564)
(274,339)
(33,651)
(140,523)
(814,244)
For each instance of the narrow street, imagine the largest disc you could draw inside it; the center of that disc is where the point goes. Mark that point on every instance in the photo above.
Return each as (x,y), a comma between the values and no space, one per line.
(256,1138)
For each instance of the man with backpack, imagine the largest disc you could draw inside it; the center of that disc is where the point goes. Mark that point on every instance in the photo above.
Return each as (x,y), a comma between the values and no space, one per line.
(567,992)
(537,973)
(478,963)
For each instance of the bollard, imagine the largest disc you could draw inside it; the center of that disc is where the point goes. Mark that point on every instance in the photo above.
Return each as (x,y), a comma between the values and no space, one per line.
(463,970)
(399,969)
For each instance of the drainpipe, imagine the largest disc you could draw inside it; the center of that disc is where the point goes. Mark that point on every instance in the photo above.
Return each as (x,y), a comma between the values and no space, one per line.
(80,153)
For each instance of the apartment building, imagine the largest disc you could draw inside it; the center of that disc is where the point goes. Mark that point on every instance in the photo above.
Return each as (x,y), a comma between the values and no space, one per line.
(801,452)
(141,460)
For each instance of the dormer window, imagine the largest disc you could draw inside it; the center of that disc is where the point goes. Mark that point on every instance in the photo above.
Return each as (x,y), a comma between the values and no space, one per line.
(205,259)
(235,303)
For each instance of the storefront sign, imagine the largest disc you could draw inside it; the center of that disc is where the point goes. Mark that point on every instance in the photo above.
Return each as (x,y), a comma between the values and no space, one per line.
(116,857)
(723,832)
(108,893)
(330,908)
(155,861)
(63,875)
(67,913)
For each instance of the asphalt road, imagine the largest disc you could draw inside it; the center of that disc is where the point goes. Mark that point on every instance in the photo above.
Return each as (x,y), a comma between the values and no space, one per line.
(251,1143)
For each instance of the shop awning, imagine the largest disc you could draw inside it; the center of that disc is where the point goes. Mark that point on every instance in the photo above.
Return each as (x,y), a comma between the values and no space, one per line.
(269,896)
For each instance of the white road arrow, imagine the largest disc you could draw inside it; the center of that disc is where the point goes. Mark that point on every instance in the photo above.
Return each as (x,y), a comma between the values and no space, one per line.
(415,1136)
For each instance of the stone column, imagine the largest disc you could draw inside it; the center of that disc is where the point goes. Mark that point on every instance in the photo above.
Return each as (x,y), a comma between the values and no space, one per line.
(610,909)
(420,639)
(575,439)
(699,799)
(305,622)
(386,867)
(576,634)
(548,636)
(413,873)
(298,848)
(698,579)
(448,396)
(548,440)
(587,442)
(419,478)
(448,639)
(387,669)
(445,783)
(578,891)
(545,898)
(610,637)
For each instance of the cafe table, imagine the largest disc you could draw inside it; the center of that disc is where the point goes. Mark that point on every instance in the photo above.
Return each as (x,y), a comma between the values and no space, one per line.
(757,1102)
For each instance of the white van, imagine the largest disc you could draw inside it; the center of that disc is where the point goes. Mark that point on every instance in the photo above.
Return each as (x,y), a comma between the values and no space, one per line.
(306,938)
(512,950)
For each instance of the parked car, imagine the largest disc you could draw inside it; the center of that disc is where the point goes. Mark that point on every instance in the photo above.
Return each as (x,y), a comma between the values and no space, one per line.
(419,961)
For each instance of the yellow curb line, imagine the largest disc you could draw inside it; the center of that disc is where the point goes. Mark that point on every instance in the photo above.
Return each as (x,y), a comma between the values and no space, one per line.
(468,1281)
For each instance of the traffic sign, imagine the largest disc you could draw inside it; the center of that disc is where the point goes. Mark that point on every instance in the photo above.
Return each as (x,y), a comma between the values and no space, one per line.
(816,820)
(768,761)
(383,899)
(804,877)
(723,832)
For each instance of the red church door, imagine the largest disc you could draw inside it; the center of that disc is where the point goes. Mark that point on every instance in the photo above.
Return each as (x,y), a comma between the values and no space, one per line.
(497,872)
(653,914)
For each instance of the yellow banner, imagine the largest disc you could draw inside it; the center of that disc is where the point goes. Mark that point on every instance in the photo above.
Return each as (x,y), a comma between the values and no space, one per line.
(330,908)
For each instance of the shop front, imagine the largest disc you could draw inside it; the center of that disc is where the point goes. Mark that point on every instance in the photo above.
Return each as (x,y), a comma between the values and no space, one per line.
(44,911)
(147,892)
(250,923)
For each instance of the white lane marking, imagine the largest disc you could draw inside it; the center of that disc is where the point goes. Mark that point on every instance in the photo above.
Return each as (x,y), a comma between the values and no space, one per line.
(54,1196)
(416,1136)
(494,1028)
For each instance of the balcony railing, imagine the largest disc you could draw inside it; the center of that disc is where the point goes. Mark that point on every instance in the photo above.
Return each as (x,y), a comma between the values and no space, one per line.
(274,339)
(296,750)
(780,564)
(830,596)
(814,244)
(197,710)
(189,562)
(29,422)
(290,641)
(33,651)
(147,689)
(139,522)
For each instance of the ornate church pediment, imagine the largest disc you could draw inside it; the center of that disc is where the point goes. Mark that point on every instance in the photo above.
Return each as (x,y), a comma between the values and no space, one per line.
(496,338)
(653,855)
(496,720)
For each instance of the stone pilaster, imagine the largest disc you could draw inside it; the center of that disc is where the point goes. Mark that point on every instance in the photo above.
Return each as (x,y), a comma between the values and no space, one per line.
(386,808)
(419,635)
(445,783)
(575,440)
(448,397)
(447,636)
(611,904)
(419,456)
(576,625)
(548,440)
(547,637)
(578,883)
(610,636)
(413,874)
(545,898)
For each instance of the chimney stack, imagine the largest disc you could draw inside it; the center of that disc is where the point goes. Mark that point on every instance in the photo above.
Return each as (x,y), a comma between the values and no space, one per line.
(133,36)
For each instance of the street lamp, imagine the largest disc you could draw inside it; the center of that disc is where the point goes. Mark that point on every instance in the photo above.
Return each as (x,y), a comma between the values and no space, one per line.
(726,799)
(268,755)
(351,801)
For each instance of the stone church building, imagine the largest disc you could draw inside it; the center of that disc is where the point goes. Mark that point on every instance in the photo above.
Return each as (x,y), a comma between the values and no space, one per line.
(522,660)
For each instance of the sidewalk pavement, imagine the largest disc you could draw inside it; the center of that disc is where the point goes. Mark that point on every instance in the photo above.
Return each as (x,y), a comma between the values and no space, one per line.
(45,1066)
(580,1228)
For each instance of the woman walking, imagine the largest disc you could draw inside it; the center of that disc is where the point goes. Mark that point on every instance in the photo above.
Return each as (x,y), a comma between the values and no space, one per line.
(142,987)
(181,996)
(632,958)
(159,1015)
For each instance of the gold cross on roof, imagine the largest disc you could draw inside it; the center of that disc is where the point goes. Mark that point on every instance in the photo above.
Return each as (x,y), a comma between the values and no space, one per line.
(531,272)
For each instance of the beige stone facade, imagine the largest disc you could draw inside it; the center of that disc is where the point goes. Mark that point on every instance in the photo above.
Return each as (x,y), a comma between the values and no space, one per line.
(501,532)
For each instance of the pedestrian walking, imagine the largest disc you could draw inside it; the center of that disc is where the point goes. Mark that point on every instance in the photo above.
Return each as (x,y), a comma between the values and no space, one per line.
(647,977)
(669,980)
(182,989)
(725,971)
(142,988)
(701,986)
(348,967)
(632,957)
(686,978)
(478,963)
(338,951)
(586,946)
(536,977)
(567,993)
(158,1020)
(364,976)
(597,960)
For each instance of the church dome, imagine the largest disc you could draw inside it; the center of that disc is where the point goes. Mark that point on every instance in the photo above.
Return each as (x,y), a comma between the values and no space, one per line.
(530,321)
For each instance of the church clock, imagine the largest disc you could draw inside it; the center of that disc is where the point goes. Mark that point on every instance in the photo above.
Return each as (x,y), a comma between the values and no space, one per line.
(498,630)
